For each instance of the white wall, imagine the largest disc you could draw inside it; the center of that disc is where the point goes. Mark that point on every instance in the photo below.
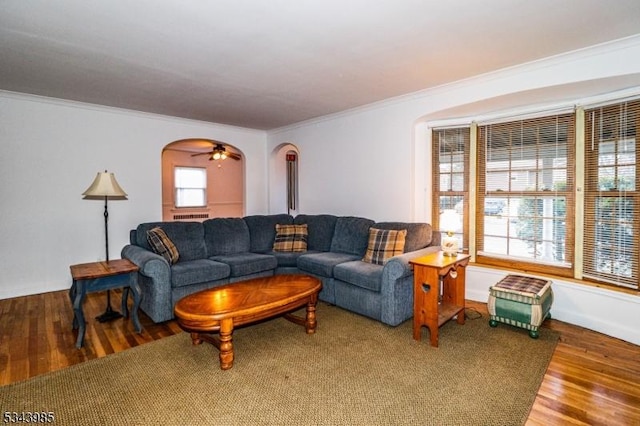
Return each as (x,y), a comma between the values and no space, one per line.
(373,162)
(370,161)
(50,152)
(354,164)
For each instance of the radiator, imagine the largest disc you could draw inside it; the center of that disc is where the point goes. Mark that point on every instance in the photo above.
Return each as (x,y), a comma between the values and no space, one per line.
(188,216)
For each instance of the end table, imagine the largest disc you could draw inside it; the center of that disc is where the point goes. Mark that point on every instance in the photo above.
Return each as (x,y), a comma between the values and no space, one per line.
(432,308)
(101,276)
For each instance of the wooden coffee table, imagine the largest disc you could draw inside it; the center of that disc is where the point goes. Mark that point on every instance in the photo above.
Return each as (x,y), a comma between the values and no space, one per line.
(222,308)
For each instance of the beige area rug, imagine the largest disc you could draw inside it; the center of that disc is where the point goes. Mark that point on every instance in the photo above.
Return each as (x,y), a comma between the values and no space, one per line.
(353,371)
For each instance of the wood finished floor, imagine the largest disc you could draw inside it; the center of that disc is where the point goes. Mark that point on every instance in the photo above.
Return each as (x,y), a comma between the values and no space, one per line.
(592,379)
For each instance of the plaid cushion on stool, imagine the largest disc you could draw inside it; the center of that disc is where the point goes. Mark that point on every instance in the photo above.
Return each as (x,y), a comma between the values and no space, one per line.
(521,288)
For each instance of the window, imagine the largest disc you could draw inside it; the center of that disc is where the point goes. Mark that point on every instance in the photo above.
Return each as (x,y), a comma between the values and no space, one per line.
(527,203)
(525,194)
(191,186)
(451,177)
(611,194)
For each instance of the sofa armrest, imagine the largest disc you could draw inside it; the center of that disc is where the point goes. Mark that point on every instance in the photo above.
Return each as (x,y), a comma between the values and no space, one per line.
(154,280)
(397,286)
(399,267)
(151,264)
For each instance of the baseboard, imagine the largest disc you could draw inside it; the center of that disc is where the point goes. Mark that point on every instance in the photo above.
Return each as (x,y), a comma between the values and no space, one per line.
(605,311)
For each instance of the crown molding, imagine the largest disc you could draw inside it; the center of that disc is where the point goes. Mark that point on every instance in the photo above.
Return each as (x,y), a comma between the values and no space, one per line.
(503,73)
(120,111)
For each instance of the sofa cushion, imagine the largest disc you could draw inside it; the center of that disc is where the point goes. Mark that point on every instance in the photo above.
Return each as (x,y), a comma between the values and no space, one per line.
(322,264)
(351,235)
(384,244)
(361,274)
(287,258)
(290,238)
(162,245)
(242,264)
(188,237)
(419,235)
(224,236)
(198,271)
(262,230)
(319,230)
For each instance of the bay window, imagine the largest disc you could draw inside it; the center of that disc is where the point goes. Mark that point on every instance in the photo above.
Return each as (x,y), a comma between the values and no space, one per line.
(541,207)
(450,156)
(611,194)
(525,193)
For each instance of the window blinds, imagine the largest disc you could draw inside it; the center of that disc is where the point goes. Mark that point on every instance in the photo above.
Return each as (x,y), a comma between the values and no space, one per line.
(611,239)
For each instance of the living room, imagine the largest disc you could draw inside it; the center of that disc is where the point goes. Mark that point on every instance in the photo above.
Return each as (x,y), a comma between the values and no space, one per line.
(369,160)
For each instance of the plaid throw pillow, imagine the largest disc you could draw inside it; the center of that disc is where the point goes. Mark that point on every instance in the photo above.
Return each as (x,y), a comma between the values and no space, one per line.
(384,244)
(162,245)
(290,238)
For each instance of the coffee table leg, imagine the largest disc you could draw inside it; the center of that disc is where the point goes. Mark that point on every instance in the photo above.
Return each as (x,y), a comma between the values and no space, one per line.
(196,339)
(311,323)
(226,344)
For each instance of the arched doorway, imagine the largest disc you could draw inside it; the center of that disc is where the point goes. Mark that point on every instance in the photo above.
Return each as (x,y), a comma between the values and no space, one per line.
(202,179)
(285,192)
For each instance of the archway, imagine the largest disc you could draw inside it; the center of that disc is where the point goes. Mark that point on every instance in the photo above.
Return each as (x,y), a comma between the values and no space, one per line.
(198,185)
(284,172)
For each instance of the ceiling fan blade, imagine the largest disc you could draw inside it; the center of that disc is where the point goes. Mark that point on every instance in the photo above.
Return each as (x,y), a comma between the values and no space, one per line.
(234,155)
(201,153)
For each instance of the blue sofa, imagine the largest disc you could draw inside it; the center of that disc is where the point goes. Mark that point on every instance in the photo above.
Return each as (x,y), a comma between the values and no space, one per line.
(226,250)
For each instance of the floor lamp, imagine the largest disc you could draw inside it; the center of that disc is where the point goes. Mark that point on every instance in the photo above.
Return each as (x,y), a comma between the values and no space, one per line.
(106,187)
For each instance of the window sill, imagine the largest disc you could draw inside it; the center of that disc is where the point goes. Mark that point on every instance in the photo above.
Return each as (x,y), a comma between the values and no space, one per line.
(587,283)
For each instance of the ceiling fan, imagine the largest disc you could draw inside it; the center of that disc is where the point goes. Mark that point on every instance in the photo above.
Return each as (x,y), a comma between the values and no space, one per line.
(219,152)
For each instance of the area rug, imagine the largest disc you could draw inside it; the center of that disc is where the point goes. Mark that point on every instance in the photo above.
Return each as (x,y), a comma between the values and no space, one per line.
(353,371)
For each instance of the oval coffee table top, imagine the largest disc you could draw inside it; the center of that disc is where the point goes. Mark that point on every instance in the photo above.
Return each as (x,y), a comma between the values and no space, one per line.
(245,298)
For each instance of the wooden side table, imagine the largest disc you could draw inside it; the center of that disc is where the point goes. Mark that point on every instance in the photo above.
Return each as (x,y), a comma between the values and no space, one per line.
(101,276)
(432,308)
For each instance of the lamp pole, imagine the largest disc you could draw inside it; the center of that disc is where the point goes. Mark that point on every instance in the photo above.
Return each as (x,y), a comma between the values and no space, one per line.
(105,186)
(106,229)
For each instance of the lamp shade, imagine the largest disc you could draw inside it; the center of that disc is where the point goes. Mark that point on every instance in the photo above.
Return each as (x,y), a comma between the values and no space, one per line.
(449,221)
(105,185)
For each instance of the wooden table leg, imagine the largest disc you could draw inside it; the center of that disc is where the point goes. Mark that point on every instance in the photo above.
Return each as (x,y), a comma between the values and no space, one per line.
(196,339)
(134,288)
(311,323)
(226,344)
(72,295)
(459,292)
(78,315)
(124,305)
(426,294)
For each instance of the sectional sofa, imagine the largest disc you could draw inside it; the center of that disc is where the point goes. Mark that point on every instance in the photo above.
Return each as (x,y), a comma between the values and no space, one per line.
(226,250)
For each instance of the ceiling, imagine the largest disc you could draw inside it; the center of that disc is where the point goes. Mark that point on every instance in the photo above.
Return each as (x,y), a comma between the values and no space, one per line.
(267,64)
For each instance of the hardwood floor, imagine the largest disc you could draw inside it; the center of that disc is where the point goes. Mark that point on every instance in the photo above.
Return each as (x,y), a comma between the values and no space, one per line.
(592,379)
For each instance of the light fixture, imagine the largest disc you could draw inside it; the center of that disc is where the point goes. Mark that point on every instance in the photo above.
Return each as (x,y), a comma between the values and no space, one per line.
(219,153)
(106,187)
(449,223)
